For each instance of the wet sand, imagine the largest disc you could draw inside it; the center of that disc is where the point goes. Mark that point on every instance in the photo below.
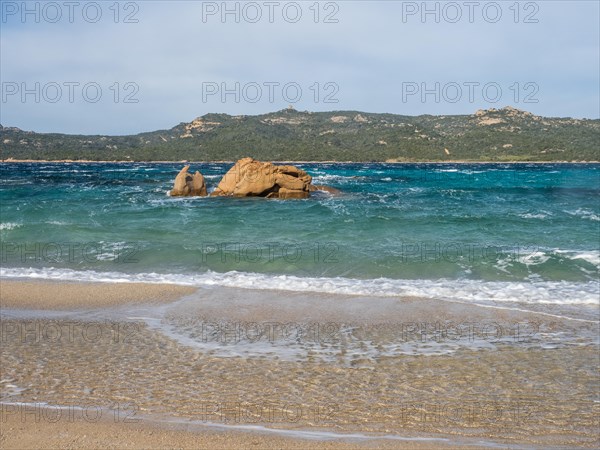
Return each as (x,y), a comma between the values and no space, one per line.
(18,434)
(64,295)
(174,368)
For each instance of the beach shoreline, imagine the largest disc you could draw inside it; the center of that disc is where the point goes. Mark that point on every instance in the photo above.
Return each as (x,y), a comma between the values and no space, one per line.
(62,295)
(342,380)
(20,429)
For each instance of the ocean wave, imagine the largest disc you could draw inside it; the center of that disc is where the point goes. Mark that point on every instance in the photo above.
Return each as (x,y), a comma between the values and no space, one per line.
(585,214)
(11,182)
(10,225)
(591,256)
(540,215)
(533,257)
(57,222)
(112,251)
(474,291)
(328,178)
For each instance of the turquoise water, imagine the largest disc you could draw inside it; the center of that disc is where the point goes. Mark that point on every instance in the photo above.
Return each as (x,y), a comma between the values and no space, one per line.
(508,231)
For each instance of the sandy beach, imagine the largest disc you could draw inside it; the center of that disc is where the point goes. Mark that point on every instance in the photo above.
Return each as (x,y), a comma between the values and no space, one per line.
(18,434)
(177,368)
(64,295)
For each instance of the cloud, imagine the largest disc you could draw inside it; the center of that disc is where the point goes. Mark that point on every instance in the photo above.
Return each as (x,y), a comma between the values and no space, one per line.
(368,56)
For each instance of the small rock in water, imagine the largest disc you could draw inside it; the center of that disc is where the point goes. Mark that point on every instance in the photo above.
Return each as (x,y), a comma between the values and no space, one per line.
(251,178)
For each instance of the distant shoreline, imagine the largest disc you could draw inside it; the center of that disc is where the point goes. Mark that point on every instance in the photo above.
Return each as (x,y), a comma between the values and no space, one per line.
(458,161)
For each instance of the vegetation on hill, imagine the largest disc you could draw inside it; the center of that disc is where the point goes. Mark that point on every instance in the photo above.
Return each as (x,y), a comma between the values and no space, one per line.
(506,134)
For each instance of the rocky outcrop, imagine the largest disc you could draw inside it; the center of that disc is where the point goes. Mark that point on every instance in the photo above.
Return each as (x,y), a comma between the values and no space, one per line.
(251,178)
(198,185)
(291,193)
(187,185)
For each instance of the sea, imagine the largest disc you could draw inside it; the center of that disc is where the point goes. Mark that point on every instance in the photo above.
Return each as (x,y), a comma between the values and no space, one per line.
(493,234)
(420,289)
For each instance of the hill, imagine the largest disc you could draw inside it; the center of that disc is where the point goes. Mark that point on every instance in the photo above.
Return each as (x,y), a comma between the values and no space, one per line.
(506,134)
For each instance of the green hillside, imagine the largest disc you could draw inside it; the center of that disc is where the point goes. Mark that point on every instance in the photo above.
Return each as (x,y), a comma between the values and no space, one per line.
(506,134)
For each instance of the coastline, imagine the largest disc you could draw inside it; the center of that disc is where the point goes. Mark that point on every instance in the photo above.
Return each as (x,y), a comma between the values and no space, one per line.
(17,433)
(449,161)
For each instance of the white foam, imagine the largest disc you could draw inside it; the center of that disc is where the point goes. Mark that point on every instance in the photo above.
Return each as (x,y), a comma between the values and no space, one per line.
(471,172)
(9,225)
(585,214)
(318,179)
(111,251)
(534,258)
(541,256)
(533,216)
(533,292)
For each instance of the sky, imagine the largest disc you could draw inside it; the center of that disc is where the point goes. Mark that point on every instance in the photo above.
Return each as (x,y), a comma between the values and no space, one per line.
(129,67)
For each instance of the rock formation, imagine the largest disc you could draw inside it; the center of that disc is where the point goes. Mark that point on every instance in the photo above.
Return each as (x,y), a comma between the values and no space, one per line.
(250,178)
(188,185)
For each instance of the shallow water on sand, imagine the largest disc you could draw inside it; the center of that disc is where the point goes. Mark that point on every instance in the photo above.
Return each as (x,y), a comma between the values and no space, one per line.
(231,357)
